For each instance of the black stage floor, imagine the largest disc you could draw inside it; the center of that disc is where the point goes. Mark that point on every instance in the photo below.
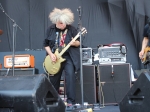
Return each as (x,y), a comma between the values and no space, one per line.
(109,108)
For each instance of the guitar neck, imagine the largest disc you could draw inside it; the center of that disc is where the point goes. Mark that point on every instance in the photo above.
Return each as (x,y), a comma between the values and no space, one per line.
(64,49)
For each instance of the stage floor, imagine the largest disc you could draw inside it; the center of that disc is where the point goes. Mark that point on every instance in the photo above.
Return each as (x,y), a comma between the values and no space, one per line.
(111,108)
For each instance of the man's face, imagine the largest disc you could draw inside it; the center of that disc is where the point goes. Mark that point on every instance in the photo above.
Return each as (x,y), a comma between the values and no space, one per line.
(60,25)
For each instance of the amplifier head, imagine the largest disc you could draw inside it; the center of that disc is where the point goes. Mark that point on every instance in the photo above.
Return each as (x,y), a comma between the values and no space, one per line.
(112,54)
(20,61)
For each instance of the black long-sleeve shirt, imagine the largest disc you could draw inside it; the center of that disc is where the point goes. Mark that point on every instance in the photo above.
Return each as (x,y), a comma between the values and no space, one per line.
(50,41)
(146,32)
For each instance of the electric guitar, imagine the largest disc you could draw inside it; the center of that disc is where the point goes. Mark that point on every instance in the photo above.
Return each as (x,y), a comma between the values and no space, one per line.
(146,55)
(52,68)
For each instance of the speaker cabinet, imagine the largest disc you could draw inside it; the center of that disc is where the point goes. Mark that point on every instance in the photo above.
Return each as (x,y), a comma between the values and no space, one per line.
(32,93)
(89,85)
(18,71)
(138,97)
(114,82)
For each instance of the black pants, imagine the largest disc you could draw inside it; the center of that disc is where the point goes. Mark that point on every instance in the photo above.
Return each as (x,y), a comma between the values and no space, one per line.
(69,70)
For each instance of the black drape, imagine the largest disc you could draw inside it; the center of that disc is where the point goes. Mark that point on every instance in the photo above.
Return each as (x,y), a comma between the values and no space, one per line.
(106,21)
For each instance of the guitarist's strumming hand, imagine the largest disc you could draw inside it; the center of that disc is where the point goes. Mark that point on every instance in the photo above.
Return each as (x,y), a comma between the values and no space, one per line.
(53,57)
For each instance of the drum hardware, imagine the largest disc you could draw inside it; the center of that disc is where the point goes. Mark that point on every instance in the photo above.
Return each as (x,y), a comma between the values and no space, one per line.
(87,56)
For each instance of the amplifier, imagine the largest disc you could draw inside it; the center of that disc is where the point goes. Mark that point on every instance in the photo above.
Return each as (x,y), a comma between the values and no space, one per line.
(21,61)
(0,66)
(115,54)
(86,56)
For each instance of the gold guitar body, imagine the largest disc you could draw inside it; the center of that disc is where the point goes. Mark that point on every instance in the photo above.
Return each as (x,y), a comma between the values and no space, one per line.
(50,67)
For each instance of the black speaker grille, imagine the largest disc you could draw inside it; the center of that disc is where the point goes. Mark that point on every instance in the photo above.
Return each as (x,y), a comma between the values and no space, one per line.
(30,93)
(89,85)
(114,82)
(138,97)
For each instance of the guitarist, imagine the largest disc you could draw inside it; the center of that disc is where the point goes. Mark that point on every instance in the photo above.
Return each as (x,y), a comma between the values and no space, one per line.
(145,42)
(58,35)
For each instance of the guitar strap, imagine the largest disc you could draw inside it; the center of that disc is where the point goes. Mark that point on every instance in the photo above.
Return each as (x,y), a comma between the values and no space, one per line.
(59,43)
(63,36)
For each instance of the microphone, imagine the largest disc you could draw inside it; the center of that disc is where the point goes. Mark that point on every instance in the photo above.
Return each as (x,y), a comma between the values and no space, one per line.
(56,37)
(1,7)
(79,10)
(56,34)
(56,43)
(112,70)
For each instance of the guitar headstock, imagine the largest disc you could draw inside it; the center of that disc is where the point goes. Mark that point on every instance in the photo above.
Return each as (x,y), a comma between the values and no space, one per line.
(83,31)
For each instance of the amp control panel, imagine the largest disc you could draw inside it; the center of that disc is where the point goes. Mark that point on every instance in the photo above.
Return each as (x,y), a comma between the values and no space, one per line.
(115,54)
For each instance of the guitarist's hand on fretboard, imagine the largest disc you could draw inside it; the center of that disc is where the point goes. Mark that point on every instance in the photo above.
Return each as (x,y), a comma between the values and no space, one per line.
(141,53)
(75,43)
(144,55)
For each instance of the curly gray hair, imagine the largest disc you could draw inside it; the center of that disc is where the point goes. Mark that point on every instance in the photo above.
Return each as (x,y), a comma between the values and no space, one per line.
(65,16)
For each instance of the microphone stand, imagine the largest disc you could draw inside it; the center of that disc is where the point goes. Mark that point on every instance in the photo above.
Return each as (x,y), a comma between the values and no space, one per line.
(81,67)
(14,36)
